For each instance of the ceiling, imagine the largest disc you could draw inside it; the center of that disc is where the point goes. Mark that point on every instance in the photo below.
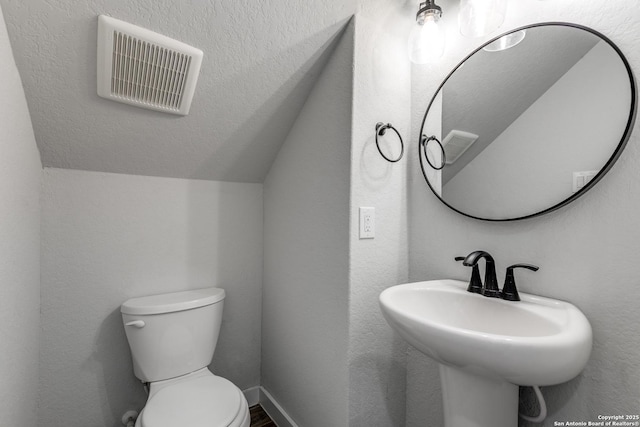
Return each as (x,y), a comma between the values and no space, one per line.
(261,59)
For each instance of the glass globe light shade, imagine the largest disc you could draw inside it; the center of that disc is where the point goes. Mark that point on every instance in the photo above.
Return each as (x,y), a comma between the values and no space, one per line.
(426,41)
(480,17)
(506,42)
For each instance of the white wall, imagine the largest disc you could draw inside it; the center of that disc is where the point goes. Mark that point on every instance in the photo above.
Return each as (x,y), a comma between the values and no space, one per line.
(20,172)
(306,254)
(586,251)
(109,237)
(381,94)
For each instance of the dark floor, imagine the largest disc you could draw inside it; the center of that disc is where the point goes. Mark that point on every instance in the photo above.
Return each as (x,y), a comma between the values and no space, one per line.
(259,418)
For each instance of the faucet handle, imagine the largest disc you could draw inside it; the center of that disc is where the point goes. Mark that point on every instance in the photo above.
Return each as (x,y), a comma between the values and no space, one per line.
(509,291)
(475,283)
(527,266)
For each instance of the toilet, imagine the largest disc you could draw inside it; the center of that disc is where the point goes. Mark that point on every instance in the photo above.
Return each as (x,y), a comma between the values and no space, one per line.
(172,339)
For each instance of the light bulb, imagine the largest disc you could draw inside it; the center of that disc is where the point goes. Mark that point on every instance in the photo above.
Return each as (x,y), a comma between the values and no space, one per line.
(426,41)
(480,17)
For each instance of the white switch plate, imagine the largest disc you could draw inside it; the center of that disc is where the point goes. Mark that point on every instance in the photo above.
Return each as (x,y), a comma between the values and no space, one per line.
(367,223)
(580,179)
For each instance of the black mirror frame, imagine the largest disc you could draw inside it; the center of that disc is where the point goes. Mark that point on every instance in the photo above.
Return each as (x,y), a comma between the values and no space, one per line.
(608,165)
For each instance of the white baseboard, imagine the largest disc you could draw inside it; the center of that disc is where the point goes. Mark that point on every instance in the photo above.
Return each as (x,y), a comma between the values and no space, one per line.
(252,395)
(258,394)
(274,410)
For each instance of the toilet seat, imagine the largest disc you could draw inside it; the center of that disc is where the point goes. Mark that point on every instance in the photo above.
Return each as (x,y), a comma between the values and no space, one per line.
(196,401)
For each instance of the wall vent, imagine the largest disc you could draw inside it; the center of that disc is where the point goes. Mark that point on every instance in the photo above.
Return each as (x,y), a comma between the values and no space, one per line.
(456,143)
(145,69)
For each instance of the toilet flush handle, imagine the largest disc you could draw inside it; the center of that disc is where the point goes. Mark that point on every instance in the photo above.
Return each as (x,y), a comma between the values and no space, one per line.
(136,323)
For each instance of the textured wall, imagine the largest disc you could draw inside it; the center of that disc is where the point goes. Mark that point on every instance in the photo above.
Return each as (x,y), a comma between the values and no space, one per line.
(306,254)
(381,93)
(586,251)
(110,237)
(20,173)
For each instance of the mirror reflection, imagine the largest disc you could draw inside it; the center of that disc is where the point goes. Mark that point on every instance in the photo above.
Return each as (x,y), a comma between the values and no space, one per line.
(528,128)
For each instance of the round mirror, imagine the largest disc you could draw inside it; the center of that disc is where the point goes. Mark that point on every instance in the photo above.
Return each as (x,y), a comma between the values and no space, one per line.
(528,122)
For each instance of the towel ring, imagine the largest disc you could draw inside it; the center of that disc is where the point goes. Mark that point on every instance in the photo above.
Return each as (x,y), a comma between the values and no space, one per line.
(425,141)
(381,129)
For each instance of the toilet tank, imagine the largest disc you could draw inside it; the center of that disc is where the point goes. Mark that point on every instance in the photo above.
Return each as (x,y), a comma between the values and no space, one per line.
(171,335)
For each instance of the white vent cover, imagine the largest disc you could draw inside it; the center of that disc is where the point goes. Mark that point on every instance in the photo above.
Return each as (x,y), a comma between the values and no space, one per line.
(146,69)
(456,143)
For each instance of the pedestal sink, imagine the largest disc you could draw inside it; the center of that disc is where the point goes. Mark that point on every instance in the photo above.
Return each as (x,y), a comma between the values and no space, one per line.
(487,347)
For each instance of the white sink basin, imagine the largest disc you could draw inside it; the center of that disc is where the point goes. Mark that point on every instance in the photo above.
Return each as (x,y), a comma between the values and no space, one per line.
(535,341)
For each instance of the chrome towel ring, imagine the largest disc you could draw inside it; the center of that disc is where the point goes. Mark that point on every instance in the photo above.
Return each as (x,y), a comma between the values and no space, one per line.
(424,142)
(381,129)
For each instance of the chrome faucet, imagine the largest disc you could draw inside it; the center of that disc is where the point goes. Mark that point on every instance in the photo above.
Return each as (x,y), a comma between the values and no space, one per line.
(490,287)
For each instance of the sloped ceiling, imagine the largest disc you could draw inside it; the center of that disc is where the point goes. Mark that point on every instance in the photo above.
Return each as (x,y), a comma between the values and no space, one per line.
(261,58)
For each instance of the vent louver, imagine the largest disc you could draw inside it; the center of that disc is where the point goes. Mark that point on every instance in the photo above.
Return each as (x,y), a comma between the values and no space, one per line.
(456,143)
(142,68)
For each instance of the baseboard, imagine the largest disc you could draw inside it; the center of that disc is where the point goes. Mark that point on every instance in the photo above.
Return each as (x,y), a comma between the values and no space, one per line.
(252,395)
(258,395)
(274,410)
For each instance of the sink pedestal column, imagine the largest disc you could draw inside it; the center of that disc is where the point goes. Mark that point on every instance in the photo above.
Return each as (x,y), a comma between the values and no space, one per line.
(475,401)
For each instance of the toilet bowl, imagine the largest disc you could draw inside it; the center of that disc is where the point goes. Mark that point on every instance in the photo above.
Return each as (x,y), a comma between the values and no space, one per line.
(172,339)
(197,399)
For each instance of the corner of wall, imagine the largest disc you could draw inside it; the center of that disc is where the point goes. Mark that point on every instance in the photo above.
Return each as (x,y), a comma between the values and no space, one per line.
(20,179)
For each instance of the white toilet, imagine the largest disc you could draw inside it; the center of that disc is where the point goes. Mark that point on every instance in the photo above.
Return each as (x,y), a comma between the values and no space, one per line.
(172,339)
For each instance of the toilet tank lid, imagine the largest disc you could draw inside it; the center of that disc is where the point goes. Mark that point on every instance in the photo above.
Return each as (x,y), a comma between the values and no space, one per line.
(175,301)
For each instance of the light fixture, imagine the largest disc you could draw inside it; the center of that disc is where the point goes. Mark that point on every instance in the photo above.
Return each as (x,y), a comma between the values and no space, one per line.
(426,41)
(506,42)
(481,17)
